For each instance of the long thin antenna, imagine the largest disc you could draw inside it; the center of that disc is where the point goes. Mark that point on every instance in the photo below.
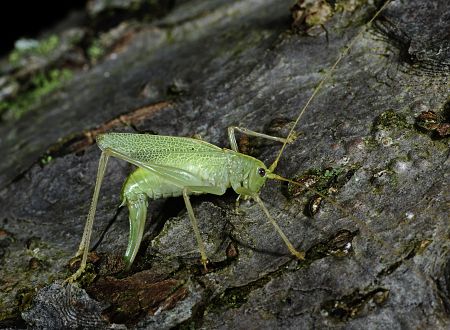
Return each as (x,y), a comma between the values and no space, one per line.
(335,204)
(325,79)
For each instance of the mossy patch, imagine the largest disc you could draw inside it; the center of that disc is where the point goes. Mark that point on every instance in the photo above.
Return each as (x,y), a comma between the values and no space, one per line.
(96,51)
(318,184)
(40,85)
(236,297)
(29,47)
(389,120)
(355,304)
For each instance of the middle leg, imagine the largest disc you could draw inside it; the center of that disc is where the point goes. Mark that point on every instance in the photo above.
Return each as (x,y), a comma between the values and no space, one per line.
(232,136)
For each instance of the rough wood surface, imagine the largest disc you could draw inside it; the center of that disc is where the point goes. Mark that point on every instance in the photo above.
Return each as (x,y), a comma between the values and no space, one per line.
(206,65)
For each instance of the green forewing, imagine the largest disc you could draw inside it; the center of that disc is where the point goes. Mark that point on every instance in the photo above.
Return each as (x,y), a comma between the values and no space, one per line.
(179,152)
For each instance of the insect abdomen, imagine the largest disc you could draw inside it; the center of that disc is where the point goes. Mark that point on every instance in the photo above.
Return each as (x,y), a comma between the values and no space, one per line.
(142,181)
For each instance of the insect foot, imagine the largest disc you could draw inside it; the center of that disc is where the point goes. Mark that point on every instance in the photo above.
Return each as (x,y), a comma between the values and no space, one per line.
(299,254)
(204,262)
(292,137)
(82,271)
(72,263)
(73,278)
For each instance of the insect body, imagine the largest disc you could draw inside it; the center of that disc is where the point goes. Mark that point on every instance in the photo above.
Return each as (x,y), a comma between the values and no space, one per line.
(176,166)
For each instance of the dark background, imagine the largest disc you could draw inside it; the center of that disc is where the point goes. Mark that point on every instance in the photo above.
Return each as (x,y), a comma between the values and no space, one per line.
(26,19)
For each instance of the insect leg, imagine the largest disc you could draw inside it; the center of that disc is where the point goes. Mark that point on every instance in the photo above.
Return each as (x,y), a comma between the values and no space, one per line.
(137,208)
(83,249)
(299,254)
(232,137)
(194,222)
(181,179)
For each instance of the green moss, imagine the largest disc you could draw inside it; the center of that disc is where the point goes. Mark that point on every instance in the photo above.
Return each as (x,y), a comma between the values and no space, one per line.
(318,179)
(352,305)
(46,159)
(95,51)
(236,297)
(27,47)
(41,85)
(24,297)
(88,276)
(349,5)
(370,143)
(315,185)
(389,120)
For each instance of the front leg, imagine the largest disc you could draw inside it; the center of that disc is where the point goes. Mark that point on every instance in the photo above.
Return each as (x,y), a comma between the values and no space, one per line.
(238,201)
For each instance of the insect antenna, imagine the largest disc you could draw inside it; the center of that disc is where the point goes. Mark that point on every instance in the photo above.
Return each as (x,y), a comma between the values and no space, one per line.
(323,81)
(397,253)
(331,201)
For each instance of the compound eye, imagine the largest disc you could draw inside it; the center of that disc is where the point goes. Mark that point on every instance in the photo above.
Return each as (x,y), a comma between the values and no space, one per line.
(261,172)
